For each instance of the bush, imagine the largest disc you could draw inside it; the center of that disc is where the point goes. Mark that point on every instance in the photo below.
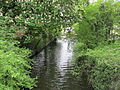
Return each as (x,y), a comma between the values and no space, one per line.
(106,72)
(14,67)
(14,61)
(102,66)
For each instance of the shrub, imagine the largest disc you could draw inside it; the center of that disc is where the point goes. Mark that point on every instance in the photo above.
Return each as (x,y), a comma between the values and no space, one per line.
(106,72)
(14,67)
(14,61)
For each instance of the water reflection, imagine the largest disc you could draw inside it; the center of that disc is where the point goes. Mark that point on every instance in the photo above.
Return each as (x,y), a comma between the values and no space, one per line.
(53,67)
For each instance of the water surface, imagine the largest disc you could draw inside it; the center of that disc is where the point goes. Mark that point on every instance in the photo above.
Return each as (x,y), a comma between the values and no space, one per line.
(53,67)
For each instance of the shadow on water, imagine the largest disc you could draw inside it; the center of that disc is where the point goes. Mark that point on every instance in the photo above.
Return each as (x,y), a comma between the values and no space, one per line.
(53,67)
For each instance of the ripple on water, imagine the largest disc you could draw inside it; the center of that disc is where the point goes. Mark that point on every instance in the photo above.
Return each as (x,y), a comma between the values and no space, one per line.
(53,67)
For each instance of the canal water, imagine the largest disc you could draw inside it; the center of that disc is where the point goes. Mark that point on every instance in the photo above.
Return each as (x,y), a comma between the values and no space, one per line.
(52,68)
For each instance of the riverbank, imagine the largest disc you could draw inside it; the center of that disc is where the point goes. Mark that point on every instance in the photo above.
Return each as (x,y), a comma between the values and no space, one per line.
(37,45)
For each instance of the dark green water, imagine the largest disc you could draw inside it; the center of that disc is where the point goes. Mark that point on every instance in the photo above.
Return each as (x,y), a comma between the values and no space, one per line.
(53,67)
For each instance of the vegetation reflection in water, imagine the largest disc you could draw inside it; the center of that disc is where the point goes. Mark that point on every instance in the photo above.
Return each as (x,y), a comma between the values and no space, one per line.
(53,67)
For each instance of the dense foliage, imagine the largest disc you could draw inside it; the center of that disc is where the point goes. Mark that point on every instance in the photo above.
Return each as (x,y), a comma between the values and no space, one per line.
(106,72)
(97,50)
(14,61)
(21,21)
(39,18)
(97,23)
(96,31)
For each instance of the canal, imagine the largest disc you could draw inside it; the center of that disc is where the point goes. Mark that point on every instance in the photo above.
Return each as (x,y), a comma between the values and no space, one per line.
(52,68)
